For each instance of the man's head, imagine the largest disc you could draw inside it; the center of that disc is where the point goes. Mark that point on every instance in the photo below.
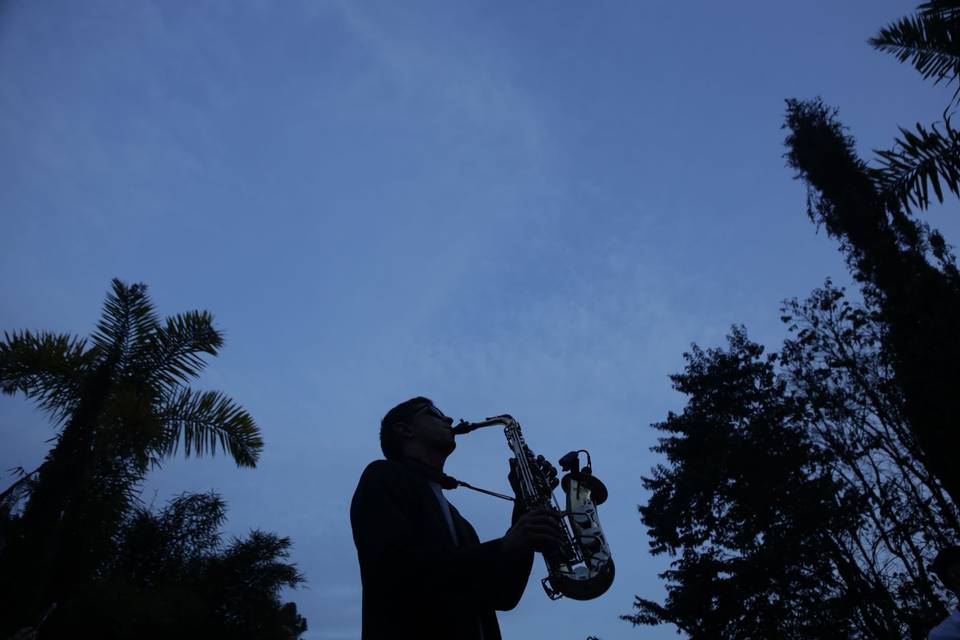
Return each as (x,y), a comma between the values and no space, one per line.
(947,567)
(416,428)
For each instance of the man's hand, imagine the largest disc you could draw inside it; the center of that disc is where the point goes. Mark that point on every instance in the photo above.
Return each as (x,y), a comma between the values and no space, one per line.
(535,531)
(546,469)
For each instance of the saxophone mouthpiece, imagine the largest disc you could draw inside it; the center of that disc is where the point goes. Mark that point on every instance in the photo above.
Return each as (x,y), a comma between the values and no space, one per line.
(463,427)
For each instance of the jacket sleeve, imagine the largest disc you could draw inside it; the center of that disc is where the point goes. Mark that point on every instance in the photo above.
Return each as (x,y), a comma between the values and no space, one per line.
(506,580)
(397,558)
(512,575)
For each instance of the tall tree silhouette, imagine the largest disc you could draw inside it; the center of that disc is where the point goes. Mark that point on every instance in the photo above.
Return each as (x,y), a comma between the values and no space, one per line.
(906,271)
(121,404)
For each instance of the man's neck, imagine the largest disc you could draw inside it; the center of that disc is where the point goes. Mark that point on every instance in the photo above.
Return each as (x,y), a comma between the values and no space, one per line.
(430,458)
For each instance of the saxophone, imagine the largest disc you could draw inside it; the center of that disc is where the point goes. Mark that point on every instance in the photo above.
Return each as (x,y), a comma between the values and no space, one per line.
(582,568)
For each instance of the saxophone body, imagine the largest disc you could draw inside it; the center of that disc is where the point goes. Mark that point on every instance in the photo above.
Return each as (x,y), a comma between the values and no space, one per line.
(582,568)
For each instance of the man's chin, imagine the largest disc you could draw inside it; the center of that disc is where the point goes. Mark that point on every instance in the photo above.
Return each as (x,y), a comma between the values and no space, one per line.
(448,447)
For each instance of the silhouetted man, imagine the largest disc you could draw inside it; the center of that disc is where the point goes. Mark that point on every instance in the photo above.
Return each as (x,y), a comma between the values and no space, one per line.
(947,567)
(425,573)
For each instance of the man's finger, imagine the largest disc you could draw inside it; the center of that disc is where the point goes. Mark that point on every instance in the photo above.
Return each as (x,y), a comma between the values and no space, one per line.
(541,512)
(546,544)
(548,526)
(550,538)
(546,514)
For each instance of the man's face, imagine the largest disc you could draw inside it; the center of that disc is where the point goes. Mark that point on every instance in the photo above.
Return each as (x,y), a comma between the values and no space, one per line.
(432,429)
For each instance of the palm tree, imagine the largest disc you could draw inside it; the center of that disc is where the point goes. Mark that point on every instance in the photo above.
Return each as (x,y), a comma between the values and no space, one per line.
(924,157)
(120,404)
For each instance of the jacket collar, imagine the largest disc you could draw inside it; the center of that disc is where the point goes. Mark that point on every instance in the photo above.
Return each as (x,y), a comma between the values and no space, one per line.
(431,475)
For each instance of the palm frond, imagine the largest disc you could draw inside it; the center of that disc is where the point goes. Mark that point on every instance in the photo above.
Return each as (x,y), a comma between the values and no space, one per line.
(929,41)
(205,419)
(19,490)
(943,9)
(921,161)
(128,318)
(46,367)
(172,355)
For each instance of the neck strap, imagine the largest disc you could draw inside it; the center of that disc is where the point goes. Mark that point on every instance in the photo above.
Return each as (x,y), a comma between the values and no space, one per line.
(448,482)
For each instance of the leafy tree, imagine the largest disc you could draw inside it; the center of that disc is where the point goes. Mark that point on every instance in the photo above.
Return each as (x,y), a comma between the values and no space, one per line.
(747,505)
(171,577)
(836,368)
(921,159)
(807,457)
(908,276)
(120,404)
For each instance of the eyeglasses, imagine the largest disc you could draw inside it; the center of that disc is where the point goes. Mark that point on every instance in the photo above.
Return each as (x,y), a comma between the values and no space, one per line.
(431,410)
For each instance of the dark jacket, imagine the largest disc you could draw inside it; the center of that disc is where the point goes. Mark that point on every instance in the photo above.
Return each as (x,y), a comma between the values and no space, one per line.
(416,582)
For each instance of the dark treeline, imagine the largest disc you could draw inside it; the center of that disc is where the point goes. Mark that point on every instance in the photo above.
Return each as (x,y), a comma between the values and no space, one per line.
(804,492)
(79,554)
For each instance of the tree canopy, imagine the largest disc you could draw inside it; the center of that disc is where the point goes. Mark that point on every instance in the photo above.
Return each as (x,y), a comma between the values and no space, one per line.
(790,497)
(804,492)
(171,576)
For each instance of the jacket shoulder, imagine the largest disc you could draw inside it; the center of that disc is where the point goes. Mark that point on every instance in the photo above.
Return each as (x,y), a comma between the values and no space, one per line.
(384,484)
(380,470)
(383,474)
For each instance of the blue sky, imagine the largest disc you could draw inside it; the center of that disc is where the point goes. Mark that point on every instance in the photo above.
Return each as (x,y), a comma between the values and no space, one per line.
(530,208)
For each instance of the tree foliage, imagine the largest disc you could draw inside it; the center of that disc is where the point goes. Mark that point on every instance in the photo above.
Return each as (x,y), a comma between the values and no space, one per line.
(171,577)
(783,498)
(746,505)
(120,404)
(925,158)
(908,276)
(804,493)
(835,363)
(927,40)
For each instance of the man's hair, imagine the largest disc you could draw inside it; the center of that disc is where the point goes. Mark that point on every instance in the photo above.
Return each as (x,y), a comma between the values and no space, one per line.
(947,557)
(390,440)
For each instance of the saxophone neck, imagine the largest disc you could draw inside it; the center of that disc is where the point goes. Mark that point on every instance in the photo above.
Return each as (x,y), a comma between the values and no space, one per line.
(466,427)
